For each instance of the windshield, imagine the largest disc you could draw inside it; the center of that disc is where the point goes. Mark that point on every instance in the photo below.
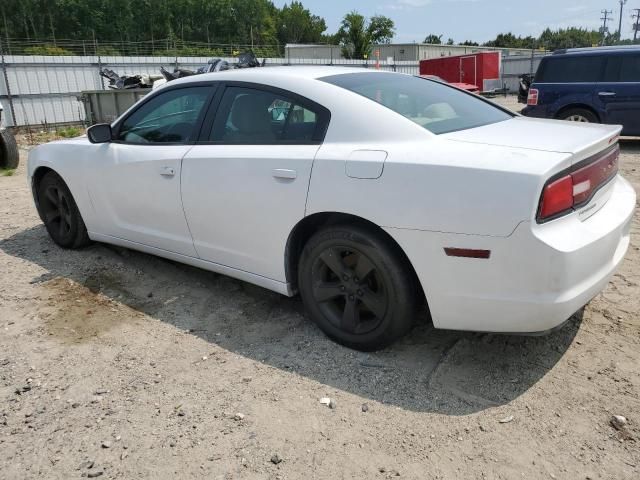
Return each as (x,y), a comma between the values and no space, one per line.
(438,108)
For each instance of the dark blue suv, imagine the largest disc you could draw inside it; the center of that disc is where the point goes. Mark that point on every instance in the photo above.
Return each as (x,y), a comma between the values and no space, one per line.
(599,85)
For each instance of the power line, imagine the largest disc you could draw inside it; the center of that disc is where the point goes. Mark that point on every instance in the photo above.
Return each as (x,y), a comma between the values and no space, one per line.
(636,26)
(604,30)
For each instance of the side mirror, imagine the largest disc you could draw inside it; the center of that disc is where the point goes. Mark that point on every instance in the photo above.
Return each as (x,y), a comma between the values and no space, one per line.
(99,133)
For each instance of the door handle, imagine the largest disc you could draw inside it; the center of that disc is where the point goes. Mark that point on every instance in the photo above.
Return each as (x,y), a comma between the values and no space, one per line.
(284,173)
(168,172)
(607,94)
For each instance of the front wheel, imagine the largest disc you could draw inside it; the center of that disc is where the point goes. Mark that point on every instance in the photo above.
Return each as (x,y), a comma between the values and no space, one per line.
(357,287)
(60,213)
(579,115)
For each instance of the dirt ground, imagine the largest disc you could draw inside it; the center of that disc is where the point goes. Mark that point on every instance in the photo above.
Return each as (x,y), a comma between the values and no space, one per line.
(117,364)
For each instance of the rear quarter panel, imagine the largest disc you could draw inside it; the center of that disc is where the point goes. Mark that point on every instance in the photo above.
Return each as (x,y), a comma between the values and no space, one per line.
(436,185)
(553,97)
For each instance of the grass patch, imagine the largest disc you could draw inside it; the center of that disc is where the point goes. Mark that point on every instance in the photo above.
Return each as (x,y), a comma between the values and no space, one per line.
(7,173)
(70,132)
(37,137)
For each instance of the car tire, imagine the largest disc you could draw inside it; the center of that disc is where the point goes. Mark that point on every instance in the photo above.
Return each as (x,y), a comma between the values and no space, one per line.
(9,155)
(60,214)
(357,287)
(579,115)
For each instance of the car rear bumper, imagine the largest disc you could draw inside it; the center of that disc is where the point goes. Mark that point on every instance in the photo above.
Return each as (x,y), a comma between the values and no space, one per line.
(534,280)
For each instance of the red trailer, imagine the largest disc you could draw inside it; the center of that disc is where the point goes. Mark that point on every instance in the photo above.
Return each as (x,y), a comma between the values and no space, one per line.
(481,69)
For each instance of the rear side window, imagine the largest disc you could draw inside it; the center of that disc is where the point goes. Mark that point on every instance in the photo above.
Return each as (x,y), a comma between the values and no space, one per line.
(578,69)
(436,107)
(253,116)
(630,70)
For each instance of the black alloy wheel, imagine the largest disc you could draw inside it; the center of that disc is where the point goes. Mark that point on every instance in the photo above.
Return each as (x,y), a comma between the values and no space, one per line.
(357,287)
(349,290)
(60,213)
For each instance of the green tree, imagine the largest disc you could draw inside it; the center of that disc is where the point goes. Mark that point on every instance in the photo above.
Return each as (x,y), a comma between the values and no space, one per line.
(433,39)
(569,38)
(509,40)
(236,22)
(296,24)
(357,36)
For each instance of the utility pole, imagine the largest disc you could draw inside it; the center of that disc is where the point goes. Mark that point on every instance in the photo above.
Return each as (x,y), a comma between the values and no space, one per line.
(622,4)
(636,26)
(605,19)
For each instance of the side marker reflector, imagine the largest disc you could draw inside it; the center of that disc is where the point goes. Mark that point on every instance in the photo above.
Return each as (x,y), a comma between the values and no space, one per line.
(467,253)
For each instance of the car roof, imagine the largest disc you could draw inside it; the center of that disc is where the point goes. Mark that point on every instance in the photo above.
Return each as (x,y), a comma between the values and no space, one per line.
(612,50)
(302,72)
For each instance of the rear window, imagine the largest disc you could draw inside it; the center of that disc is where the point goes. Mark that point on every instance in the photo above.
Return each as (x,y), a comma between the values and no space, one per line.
(436,107)
(578,69)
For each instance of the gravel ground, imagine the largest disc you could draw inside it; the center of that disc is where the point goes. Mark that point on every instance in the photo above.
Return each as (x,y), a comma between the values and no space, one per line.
(117,364)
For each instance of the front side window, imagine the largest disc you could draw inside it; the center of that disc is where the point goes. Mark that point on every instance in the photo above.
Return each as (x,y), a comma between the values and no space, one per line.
(252,116)
(169,117)
(578,69)
(436,107)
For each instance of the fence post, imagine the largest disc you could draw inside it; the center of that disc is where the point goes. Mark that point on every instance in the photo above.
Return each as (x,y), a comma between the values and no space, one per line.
(531,67)
(6,82)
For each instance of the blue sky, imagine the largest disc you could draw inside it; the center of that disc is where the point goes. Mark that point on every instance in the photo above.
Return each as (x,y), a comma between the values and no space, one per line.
(478,20)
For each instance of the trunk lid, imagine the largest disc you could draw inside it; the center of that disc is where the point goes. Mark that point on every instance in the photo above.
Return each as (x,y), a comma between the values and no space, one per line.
(580,140)
(591,161)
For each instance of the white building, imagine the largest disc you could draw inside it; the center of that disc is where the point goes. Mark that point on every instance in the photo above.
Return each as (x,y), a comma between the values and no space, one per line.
(397,51)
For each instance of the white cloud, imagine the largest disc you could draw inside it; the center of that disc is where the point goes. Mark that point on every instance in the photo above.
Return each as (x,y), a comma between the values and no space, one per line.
(412,3)
(575,9)
(406,4)
(409,4)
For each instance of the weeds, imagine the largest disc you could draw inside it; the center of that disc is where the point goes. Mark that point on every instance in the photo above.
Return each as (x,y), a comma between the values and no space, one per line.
(70,132)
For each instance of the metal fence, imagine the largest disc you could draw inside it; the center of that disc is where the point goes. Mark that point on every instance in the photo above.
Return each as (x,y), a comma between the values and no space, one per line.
(151,48)
(45,90)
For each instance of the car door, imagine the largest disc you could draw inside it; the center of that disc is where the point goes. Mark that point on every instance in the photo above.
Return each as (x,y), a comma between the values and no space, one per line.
(135,180)
(619,93)
(244,186)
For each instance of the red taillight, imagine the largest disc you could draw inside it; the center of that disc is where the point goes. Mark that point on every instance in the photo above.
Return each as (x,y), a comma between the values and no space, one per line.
(578,185)
(532,98)
(591,176)
(557,197)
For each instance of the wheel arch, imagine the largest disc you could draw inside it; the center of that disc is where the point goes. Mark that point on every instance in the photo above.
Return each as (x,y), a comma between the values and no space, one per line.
(309,225)
(582,106)
(38,175)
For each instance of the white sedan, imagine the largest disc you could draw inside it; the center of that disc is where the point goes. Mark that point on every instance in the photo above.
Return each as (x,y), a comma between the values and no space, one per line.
(371,194)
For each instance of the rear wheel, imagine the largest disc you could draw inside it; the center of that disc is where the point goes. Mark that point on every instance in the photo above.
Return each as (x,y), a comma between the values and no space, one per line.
(357,288)
(60,213)
(579,115)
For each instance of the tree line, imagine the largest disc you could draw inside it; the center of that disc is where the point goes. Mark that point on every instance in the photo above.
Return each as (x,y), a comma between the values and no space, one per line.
(223,22)
(209,22)
(245,22)
(572,37)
